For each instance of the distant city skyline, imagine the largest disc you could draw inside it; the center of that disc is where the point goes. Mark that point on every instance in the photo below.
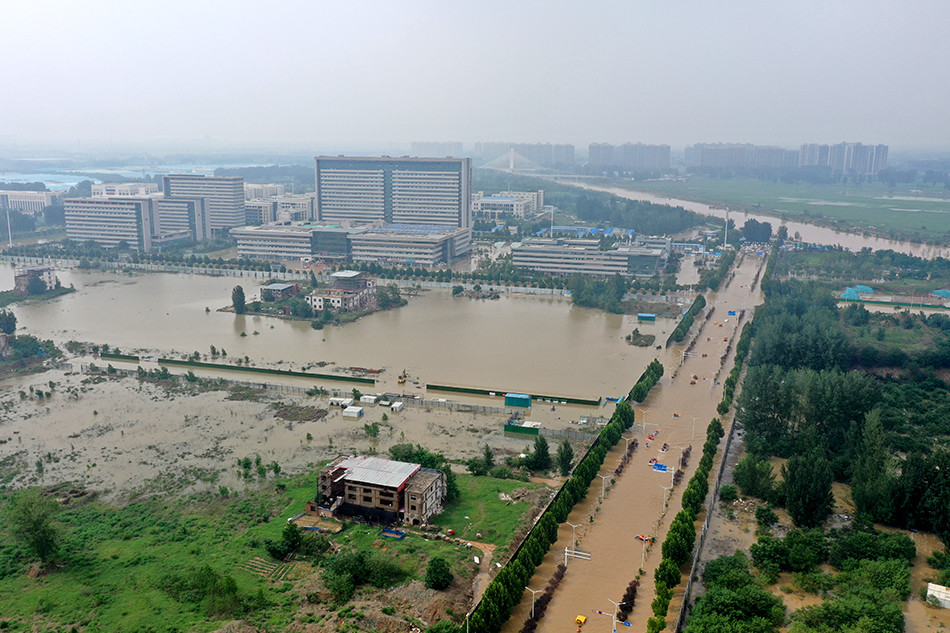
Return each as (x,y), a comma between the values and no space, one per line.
(376,75)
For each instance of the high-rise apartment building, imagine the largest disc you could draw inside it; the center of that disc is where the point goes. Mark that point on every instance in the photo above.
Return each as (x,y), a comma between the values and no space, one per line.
(845,157)
(541,154)
(432,191)
(629,156)
(429,149)
(224,197)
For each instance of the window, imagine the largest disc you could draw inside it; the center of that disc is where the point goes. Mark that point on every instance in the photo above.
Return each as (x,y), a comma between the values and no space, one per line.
(413,508)
(413,497)
(367,500)
(351,497)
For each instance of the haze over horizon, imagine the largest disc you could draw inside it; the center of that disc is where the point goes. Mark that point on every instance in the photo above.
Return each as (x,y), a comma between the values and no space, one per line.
(356,74)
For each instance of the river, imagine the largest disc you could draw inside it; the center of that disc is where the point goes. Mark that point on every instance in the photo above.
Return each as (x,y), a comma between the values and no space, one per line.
(810,233)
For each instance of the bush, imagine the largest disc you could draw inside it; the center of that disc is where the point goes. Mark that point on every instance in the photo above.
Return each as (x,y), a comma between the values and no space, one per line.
(728,493)
(438,574)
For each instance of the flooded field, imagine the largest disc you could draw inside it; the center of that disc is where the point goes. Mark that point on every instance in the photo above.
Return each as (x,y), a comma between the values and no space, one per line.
(123,436)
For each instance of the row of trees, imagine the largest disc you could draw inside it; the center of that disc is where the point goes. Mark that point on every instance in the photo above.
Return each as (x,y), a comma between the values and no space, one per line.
(507,588)
(712,277)
(682,328)
(678,545)
(650,376)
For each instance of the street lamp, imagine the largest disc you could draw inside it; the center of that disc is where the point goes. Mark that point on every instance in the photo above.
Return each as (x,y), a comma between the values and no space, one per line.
(643,551)
(603,485)
(643,416)
(533,592)
(693,433)
(614,614)
(626,439)
(573,540)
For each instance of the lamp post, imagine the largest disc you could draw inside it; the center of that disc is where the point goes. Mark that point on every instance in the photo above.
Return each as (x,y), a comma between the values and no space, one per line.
(643,417)
(573,540)
(627,440)
(603,485)
(613,616)
(643,551)
(533,592)
(693,432)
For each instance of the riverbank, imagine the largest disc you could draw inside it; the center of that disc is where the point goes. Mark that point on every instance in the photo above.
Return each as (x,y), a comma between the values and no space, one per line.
(907,213)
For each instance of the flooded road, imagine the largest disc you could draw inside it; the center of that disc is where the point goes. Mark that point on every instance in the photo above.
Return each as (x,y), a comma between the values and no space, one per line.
(810,233)
(637,502)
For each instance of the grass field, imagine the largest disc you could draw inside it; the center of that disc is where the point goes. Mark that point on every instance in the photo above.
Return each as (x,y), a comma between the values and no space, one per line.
(481,511)
(115,559)
(926,215)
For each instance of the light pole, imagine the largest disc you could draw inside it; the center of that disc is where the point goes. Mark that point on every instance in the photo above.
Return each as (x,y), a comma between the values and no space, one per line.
(666,489)
(643,551)
(603,485)
(533,592)
(573,540)
(613,615)
(682,452)
(643,416)
(627,440)
(692,434)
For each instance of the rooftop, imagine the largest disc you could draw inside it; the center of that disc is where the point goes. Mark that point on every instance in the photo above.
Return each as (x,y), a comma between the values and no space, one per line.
(377,471)
(347,274)
(277,287)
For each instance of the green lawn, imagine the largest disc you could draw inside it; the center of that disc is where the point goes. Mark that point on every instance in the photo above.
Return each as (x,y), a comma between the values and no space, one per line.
(869,205)
(481,511)
(115,558)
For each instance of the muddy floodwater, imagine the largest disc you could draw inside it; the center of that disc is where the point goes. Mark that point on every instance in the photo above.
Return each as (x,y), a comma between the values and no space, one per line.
(121,437)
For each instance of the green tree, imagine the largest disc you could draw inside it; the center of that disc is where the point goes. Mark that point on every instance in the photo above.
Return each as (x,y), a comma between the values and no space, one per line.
(438,574)
(754,477)
(238,300)
(808,496)
(30,517)
(7,322)
(872,485)
(565,455)
(540,458)
(488,457)
(36,286)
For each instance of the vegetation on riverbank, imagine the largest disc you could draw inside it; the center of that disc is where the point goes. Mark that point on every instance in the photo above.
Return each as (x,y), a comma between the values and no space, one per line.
(913,211)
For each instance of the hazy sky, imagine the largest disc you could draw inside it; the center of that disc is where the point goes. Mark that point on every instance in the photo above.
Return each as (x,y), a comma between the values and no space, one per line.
(351,72)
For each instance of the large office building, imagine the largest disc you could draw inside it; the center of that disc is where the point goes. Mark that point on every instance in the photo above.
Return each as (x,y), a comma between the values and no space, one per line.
(124,189)
(585,257)
(224,197)
(432,191)
(140,222)
(507,204)
(30,202)
(280,242)
(257,191)
(410,244)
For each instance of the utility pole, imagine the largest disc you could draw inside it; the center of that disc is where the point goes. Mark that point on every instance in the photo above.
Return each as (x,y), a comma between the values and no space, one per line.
(573,540)
(603,485)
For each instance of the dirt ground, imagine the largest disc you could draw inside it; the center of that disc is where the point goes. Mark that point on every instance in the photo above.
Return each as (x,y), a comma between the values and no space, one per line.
(123,437)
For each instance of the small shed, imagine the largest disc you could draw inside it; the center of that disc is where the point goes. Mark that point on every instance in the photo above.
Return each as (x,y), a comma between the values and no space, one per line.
(646,316)
(517,400)
(353,412)
(341,402)
(368,399)
(522,427)
(397,406)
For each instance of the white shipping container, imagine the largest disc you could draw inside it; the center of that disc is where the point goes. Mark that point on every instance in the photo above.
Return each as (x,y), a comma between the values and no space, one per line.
(353,412)
(369,399)
(397,406)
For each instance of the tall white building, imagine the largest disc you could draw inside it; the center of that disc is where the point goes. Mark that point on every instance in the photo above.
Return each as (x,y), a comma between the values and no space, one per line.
(224,197)
(142,222)
(31,202)
(258,191)
(124,189)
(432,191)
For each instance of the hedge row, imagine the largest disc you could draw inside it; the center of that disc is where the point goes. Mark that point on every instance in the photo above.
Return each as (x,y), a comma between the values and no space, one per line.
(682,534)
(650,376)
(508,586)
(729,387)
(682,328)
(716,277)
